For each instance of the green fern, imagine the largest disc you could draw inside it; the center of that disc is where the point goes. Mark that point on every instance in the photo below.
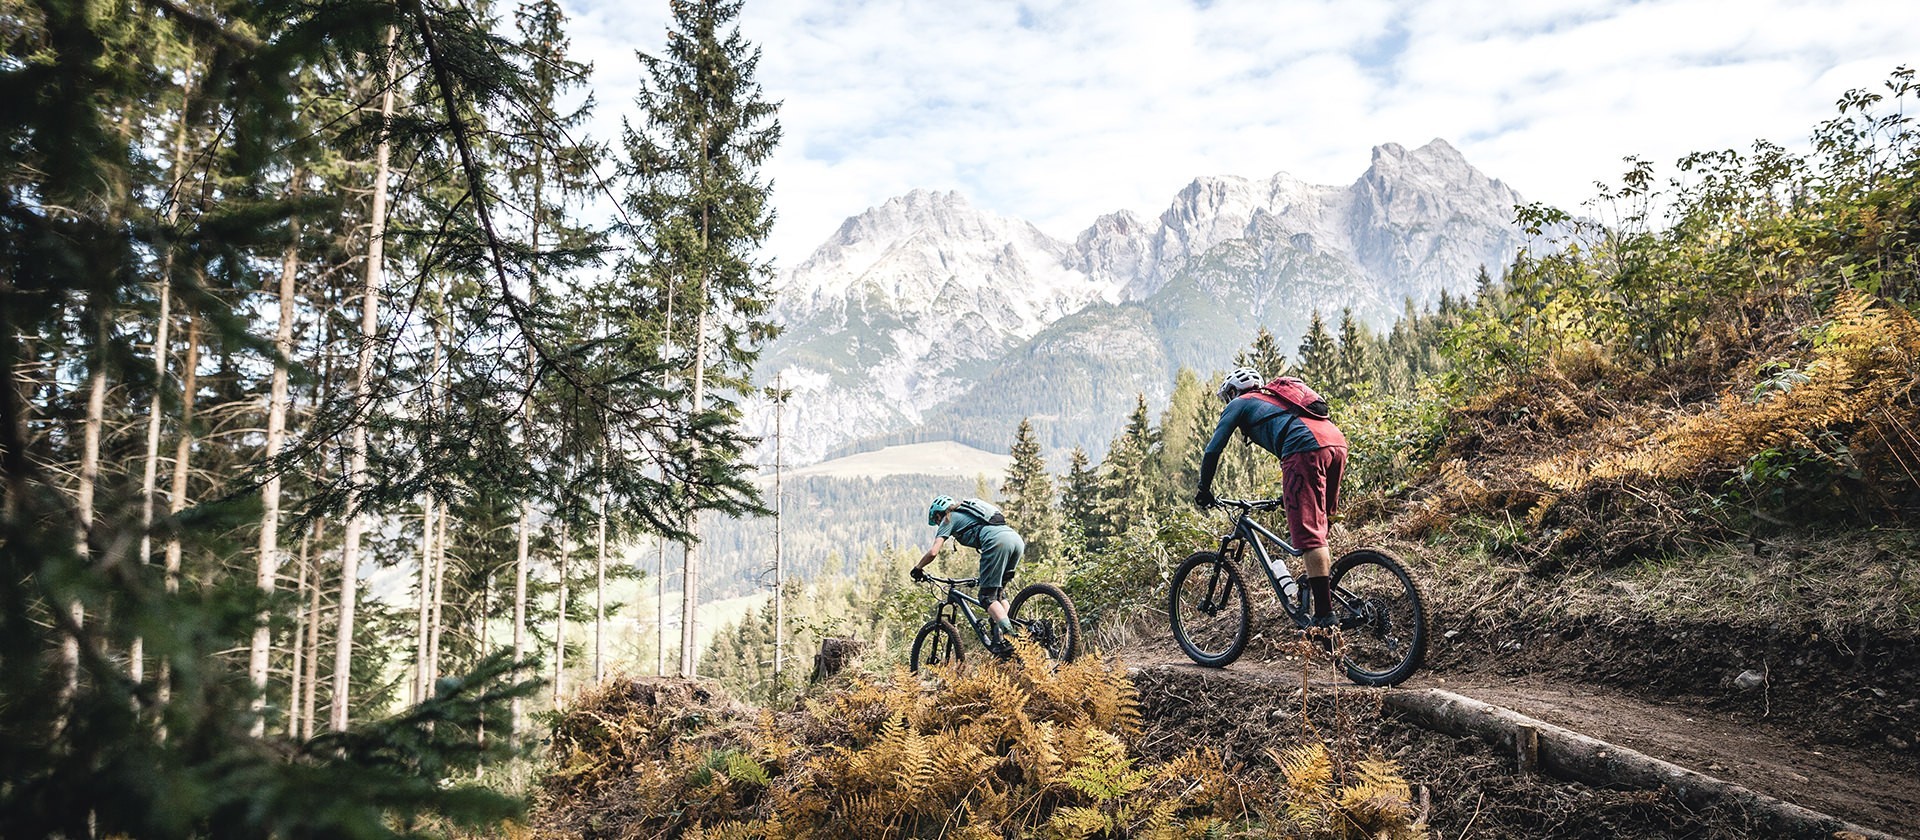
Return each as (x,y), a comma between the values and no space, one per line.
(1104,772)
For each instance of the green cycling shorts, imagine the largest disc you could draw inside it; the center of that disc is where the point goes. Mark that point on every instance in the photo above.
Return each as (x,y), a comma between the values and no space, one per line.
(1001,548)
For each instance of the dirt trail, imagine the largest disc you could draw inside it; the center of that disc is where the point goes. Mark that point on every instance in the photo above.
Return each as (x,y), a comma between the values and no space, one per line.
(1844,782)
(1855,785)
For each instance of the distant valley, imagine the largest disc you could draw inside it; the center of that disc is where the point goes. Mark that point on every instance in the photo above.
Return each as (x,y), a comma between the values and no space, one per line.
(836,510)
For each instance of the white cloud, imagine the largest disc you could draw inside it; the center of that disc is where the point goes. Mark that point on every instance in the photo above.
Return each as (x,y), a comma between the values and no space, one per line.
(1058,110)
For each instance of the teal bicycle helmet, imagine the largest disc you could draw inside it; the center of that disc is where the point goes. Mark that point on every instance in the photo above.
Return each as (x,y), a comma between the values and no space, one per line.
(939,506)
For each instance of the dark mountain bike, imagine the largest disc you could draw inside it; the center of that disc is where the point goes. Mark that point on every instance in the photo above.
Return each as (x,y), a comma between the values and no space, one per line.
(1041,614)
(1378,608)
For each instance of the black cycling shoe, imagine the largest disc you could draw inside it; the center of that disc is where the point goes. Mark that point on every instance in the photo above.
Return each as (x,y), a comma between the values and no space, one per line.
(1001,649)
(1320,628)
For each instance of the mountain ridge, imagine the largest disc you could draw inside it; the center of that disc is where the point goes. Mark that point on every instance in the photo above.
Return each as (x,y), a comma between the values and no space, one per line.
(902,321)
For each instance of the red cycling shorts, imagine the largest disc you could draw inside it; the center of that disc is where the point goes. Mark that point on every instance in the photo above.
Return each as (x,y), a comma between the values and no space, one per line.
(1311,482)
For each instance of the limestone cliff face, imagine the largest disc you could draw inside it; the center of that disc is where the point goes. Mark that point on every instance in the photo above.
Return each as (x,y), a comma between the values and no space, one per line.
(1426,220)
(904,307)
(915,310)
(1413,224)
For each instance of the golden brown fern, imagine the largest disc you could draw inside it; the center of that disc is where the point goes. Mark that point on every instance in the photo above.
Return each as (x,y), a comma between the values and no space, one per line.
(1078,823)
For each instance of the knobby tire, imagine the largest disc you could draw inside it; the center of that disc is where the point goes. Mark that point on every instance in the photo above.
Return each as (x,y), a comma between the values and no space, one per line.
(1210,610)
(937,643)
(1050,620)
(1383,615)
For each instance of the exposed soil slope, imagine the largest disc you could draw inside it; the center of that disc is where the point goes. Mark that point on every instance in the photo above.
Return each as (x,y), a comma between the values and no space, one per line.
(1470,789)
(1254,702)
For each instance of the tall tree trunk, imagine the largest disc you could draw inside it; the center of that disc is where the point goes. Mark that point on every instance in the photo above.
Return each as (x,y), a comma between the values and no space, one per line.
(298,642)
(442,327)
(309,704)
(268,562)
(83,495)
(362,395)
(689,559)
(423,593)
(779,567)
(434,622)
(150,470)
(560,620)
(429,551)
(600,597)
(182,469)
(660,609)
(520,605)
(480,650)
(526,423)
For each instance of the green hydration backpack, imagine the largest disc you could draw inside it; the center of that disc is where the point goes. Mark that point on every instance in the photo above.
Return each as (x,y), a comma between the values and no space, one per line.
(984,513)
(983,510)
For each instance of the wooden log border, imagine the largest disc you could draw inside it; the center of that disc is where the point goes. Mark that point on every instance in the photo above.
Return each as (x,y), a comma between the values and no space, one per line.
(1566,754)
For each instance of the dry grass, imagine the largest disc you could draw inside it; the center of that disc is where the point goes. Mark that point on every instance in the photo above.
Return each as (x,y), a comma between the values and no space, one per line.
(1590,474)
(1849,579)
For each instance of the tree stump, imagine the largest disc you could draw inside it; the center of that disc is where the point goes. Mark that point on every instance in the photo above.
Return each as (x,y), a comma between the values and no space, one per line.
(834,655)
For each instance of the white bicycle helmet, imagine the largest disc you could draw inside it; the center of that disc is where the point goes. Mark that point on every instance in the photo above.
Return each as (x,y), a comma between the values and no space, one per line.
(1239,381)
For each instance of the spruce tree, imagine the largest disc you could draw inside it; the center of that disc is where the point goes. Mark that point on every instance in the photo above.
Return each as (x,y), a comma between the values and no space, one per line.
(1264,356)
(1354,360)
(1079,501)
(1317,353)
(1184,429)
(1125,495)
(1028,498)
(699,209)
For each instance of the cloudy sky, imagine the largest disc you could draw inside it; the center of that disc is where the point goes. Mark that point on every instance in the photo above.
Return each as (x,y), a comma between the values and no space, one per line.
(1056,111)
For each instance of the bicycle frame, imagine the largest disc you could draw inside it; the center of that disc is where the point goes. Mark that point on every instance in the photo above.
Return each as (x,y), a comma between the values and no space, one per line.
(1286,588)
(1246,532)
(957,604)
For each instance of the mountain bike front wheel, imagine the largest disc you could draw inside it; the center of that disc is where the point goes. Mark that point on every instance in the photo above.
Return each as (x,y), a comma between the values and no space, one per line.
(1047,618)
(1383,618)
(937,643)
(1209,609)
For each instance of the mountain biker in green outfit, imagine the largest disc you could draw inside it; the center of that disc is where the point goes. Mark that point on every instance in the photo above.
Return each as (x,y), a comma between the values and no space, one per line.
(1288,419)
(979,525)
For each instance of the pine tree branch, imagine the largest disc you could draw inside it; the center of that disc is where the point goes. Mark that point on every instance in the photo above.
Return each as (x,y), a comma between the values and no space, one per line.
(476,185)
(204,22)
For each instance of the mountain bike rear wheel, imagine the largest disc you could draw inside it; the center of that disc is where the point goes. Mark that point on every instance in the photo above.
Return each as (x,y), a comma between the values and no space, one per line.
(937,643)
(1209,609)
(1045,616)
(1383,618)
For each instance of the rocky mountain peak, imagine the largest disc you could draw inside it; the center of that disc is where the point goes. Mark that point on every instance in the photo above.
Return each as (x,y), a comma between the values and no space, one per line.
(915,301)
(909,246)
(1436,166)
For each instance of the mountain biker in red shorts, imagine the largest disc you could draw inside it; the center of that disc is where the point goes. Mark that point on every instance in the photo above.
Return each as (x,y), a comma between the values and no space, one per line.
(1288,419)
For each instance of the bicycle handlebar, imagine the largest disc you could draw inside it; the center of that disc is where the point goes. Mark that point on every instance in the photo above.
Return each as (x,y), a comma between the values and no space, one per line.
(1254,504)
(952,581)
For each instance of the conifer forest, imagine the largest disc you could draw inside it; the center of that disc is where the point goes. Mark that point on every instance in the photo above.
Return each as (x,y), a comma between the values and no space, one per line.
(386,455)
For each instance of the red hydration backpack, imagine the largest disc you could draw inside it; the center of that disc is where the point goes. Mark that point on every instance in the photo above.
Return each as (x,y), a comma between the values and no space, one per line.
(1289,393)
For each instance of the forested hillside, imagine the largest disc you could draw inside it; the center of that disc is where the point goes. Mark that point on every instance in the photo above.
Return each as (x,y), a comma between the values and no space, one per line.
(323,398)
